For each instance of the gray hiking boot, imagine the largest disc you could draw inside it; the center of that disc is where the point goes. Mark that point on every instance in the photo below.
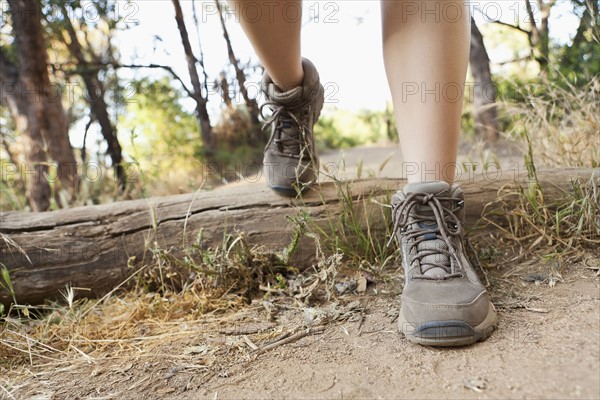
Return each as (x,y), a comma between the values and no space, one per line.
(443,301)
(291,163)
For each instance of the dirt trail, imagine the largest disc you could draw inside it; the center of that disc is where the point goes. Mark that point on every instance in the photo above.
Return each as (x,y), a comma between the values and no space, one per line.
(386,160)
(533,354)
(547,346)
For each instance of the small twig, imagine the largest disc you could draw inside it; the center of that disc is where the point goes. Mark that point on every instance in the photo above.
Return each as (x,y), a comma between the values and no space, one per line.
(7,392)
(360,323)
(250,343)
(278,338)
(537,310)
(270,290)
(477,261)
(290,339)
(249,329)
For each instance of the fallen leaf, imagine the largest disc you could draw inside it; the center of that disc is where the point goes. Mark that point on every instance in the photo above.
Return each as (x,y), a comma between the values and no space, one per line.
(476,384)
(535,278)
(361,286)
(537,310)
(345,287)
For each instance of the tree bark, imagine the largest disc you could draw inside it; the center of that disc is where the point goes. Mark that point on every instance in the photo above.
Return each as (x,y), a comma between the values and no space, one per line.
(46,127)
(200,51)
(484,92)
(239,73)
(92,247)
(208,138)
(539,36)
(25,116)
(98,106)
(543,58)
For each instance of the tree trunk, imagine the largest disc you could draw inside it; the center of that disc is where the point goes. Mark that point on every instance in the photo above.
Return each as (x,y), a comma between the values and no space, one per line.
(484,100)
(98,106)
(25,116)
(11,99)
(539,37)
(94,247)
(239,74)
(201,111)
(543,58)
(46,125)
(9,79)
(200,52)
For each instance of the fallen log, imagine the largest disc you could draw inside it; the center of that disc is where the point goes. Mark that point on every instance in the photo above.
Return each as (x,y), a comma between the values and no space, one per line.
(90,247)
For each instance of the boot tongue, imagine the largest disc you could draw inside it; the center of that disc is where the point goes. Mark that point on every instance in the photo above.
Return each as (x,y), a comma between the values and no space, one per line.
(431,242)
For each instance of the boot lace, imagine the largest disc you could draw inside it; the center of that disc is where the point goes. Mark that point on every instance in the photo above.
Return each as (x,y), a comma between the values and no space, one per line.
(408,222)
(289,142)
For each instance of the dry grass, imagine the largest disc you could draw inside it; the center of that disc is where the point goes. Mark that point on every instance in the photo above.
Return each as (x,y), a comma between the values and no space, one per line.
(221,316)
(558,128)
(169,298)
(563,123)
(360,230)
(564,228)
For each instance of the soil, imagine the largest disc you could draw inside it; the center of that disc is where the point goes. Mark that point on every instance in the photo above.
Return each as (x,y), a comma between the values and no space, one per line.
(546,346)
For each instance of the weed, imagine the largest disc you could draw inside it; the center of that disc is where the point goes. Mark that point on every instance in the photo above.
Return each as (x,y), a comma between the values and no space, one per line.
(358,228)
(557,228)
(6,285)
(563,122)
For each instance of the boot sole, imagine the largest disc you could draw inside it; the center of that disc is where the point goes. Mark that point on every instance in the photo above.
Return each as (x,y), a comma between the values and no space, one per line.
(286,191)
(448,333)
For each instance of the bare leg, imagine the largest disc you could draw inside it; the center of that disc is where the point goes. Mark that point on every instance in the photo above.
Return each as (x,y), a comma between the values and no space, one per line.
(275,35)
(426,51)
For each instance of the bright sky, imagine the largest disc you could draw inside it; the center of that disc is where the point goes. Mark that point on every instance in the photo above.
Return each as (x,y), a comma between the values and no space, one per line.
(343,39)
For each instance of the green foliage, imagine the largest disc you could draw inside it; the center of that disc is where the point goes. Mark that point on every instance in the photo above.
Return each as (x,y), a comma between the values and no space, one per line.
(579,62)
(467,121)
(164,139)
(342,129)
(360,230)
(6,285)
(240,142)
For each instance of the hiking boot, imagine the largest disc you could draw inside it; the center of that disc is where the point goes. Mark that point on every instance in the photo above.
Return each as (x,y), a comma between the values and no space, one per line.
(290,163)
(443,301)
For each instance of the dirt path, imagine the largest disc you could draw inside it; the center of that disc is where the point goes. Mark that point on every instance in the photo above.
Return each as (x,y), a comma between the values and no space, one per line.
(547,346)
(386,160)
(533,354)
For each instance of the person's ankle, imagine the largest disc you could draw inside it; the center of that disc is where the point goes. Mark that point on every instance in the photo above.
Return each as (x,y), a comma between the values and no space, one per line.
(291,82)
